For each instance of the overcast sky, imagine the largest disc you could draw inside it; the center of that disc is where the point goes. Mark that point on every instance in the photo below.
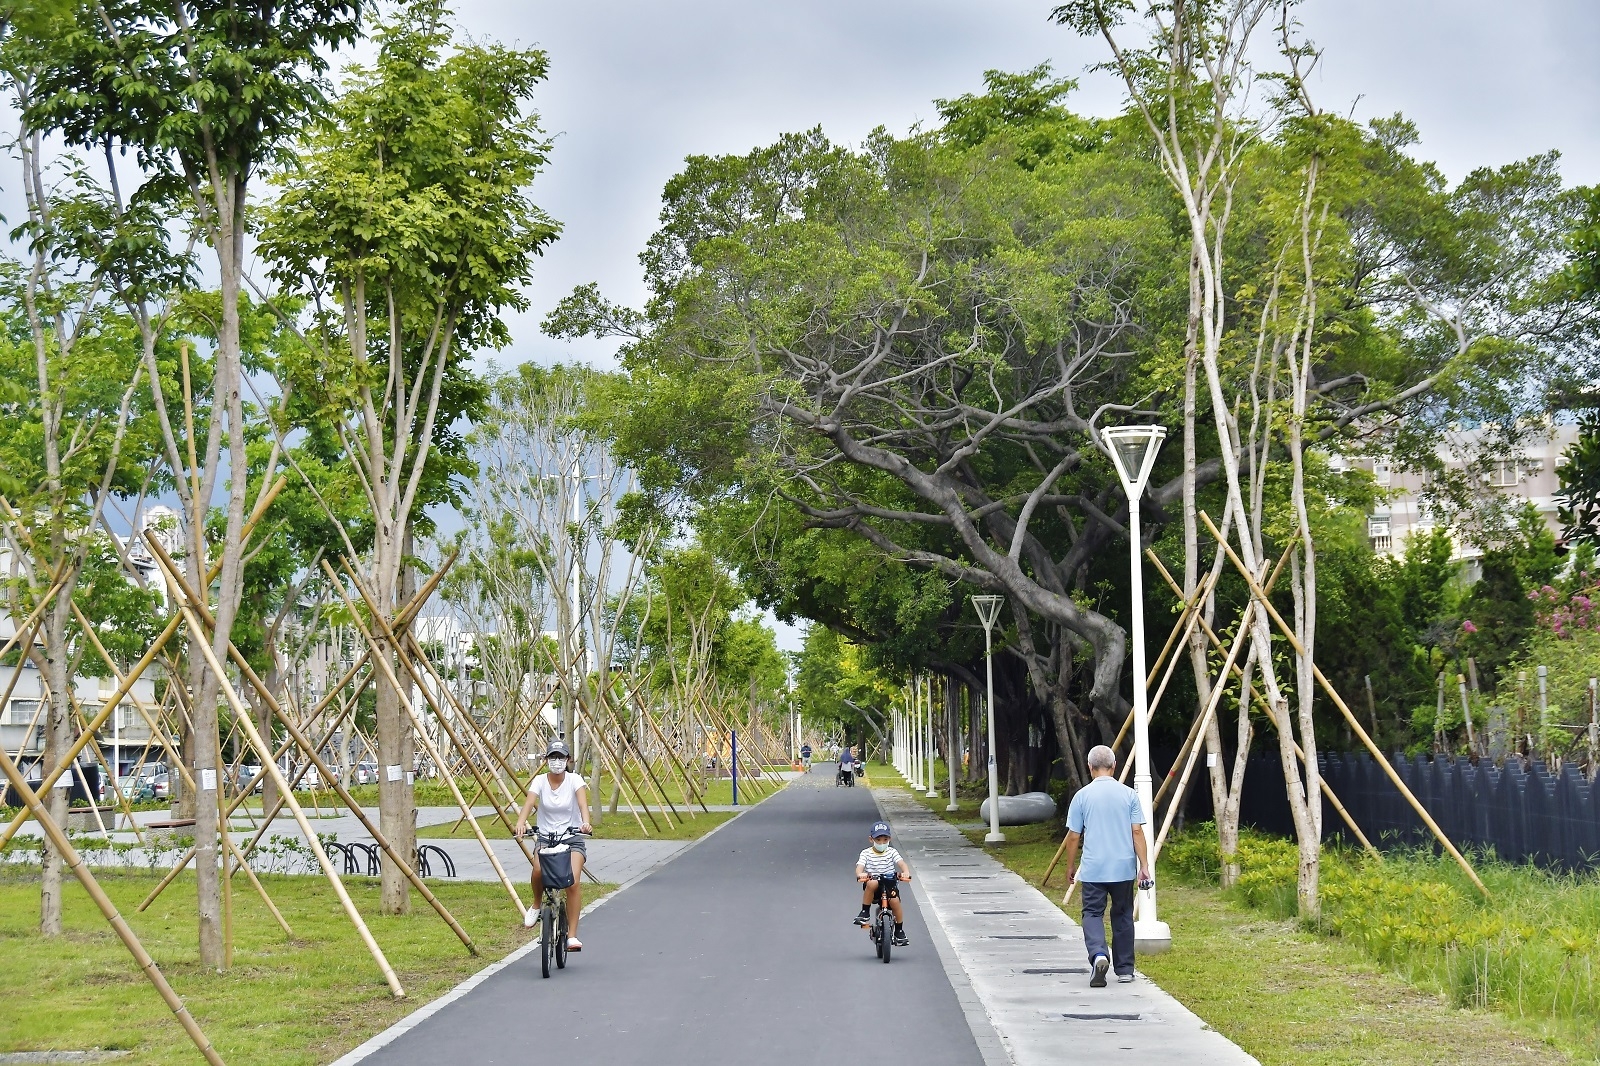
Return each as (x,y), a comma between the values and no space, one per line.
(636,86)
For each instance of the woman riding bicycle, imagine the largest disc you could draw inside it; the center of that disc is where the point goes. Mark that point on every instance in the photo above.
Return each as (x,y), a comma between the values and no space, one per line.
(563,802)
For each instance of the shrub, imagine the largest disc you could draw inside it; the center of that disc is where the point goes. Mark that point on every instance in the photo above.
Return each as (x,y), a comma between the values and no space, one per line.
(1530,950)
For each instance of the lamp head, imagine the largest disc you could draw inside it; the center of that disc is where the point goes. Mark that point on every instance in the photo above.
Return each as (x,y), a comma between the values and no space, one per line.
(988,608)
(1133,451)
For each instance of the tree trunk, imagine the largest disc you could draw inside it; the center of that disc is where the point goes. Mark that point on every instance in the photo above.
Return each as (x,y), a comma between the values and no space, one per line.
(397,806)
(58,740)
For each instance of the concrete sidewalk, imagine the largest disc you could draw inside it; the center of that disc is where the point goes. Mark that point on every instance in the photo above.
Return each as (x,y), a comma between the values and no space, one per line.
(1026,962)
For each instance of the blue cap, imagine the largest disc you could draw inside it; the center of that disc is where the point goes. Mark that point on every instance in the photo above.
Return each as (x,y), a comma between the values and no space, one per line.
(880,829)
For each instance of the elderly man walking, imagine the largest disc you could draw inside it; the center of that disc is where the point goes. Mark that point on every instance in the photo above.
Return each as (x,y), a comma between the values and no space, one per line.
(1106,821)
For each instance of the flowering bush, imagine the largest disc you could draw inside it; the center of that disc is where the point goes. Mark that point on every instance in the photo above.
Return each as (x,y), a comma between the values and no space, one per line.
(1564,612)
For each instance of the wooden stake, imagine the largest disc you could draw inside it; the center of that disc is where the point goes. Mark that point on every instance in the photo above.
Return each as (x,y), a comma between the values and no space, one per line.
(296,737)
(1344,814)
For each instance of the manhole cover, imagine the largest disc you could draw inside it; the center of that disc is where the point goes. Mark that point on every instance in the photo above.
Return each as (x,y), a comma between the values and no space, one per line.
(970,877)
(1058,969)
(1020,936)
(960,865)
(999,912)
(1101,1017)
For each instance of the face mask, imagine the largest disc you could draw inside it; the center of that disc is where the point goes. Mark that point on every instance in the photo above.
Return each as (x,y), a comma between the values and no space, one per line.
(880,848)
(558,766)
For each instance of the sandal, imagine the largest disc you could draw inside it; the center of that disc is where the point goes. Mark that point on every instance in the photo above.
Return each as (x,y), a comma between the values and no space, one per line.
(574,944)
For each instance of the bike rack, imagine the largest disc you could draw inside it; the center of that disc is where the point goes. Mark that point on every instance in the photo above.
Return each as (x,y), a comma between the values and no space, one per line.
(425,867)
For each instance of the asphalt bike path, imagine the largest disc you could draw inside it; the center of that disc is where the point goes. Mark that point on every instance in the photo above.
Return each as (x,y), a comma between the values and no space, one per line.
(738,950)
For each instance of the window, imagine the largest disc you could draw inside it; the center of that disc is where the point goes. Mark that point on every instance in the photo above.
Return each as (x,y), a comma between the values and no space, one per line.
(1378,531)
(20,712)
(1381,473)
(1507,473)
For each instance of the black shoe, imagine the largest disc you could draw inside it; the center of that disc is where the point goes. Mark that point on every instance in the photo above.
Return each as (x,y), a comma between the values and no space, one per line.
(899,940)
(1101,965)
(865,917)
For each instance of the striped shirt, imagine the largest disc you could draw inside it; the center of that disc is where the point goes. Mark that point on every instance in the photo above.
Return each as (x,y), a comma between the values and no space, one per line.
(879,864)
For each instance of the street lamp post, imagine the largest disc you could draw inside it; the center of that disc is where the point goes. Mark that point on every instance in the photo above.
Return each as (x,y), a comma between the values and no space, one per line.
(1133,450)
(927,724)
(988,608)
(952,750)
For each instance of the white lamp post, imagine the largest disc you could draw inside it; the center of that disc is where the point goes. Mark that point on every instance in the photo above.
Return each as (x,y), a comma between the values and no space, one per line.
(1133,450)
(952,750)
(988,608)
(927,724)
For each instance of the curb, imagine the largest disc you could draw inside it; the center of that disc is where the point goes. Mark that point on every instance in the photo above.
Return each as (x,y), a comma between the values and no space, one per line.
(990,1044)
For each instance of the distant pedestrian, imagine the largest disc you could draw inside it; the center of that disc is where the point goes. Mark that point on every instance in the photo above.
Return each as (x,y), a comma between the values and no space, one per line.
(1105,819)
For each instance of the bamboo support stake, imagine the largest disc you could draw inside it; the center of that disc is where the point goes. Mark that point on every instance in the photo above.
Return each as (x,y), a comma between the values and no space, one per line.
(124,932)
(126,685)
(298,738)
(639,754)
(1261,700)
(395,642)
(1241,637)
(95,724)
(427,742)
(271,767)
(1344,708)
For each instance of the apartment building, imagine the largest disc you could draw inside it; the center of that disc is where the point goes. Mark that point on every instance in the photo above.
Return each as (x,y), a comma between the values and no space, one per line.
(126,737)
(1531,475)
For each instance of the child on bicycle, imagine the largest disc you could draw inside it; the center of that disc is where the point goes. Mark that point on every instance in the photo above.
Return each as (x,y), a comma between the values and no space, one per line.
(880,860)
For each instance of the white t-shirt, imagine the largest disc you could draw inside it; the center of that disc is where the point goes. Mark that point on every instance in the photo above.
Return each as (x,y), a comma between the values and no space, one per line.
(879,864)
(558,807)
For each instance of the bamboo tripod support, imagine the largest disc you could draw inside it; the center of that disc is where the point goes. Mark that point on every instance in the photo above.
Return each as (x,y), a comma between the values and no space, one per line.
(298,738)
(1355,724)
(422,734)
(124,932)
(180,596)
(1338,806)
(126,685)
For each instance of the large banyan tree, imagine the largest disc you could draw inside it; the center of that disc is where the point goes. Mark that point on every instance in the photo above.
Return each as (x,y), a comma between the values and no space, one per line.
(912,344)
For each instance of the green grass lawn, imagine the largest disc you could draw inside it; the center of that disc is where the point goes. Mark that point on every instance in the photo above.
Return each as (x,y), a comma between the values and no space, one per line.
(1292,996)
(619,826)
(284,1003)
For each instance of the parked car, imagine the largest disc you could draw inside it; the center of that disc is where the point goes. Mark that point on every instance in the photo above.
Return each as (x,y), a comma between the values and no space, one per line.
(161,786)
(249,778)
(137,789)
(364,773)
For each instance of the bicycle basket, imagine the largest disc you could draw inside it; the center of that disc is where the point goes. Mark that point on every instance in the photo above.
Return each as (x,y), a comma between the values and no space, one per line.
(555,868)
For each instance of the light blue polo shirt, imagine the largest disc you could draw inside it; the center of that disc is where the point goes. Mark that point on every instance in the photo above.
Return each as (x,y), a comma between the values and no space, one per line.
(1104,812)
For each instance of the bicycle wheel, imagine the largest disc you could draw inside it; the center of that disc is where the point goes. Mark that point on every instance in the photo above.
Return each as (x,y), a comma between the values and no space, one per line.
(561,935)
(547,935)
(885,933)
(877,935)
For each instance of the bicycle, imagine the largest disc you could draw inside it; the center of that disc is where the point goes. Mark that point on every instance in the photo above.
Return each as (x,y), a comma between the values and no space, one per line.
(882,927)
(555,877)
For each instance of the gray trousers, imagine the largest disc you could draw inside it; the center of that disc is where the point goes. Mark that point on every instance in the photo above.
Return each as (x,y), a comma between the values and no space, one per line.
(1120,896)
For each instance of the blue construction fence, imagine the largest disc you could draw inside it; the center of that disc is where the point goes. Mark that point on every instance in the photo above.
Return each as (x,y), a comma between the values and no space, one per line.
(1524,812)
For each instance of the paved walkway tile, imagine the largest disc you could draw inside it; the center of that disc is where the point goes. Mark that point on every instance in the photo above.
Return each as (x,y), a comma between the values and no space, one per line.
(1026,962)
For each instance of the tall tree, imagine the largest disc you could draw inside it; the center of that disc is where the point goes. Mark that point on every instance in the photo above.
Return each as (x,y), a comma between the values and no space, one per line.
(203,93)
(406,228)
